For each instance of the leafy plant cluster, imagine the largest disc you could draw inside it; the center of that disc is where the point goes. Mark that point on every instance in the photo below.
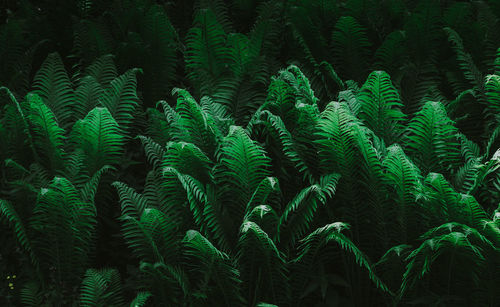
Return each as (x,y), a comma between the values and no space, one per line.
(250,153)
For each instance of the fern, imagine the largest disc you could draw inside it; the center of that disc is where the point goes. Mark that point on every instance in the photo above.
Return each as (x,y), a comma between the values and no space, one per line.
(244,165)
(141,299)
(206,51)
(264,276)
(121,99)
(212,271)
(100,138)
(380,106)
(53,85)
(469,68)
(299,213)
(432,139)
(101,288)
(350,47)
(49,138)
(9,216)
(65,227)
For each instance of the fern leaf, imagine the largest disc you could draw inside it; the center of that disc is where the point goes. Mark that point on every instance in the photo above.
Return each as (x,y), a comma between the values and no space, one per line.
(100,138)
(101,288)
(48,137)
(380,106)
(121,99)
(53,85)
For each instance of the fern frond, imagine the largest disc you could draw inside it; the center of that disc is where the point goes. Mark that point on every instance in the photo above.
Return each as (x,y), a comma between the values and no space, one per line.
(206,53)
(300,211)
(244,165)
(87,96)
(9,216)
(53,85)
(198,127)
(101,288)
(432,139)
(381,106)
(350,47)
(140,299)
(64,226)
(405,177)
(263,270)
(465,61)
(48,137)
(212,271)
(103,70)
(121,98)
(312,245)
(100,138)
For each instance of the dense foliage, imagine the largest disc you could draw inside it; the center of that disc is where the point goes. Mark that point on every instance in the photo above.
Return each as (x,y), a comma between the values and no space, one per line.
(250,153)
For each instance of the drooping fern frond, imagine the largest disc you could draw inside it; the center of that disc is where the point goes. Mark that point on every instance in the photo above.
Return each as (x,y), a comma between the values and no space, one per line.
(456,245)
(212,271)
(8,215)
(262,267)
(141,299)
(465,61)
(300,211)
(316,247)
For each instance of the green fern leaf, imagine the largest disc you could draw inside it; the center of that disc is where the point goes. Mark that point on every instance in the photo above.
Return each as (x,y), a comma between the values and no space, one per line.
(380,106)
(53,85)
(101,288)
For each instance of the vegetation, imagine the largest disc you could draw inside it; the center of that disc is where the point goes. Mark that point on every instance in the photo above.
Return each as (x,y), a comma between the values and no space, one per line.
(250,153)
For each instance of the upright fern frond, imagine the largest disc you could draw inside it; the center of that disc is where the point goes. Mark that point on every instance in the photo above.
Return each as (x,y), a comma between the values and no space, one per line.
(103,70)
(244,165)
(381,106)
(53,85)
(101,288)
(432,139)
(405,178)
(197,126)
(48,137)
(100,137)
(350,48)
(65,227)
(121,99)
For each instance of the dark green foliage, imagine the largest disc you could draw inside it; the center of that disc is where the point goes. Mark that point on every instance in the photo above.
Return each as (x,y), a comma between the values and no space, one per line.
(249,153)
